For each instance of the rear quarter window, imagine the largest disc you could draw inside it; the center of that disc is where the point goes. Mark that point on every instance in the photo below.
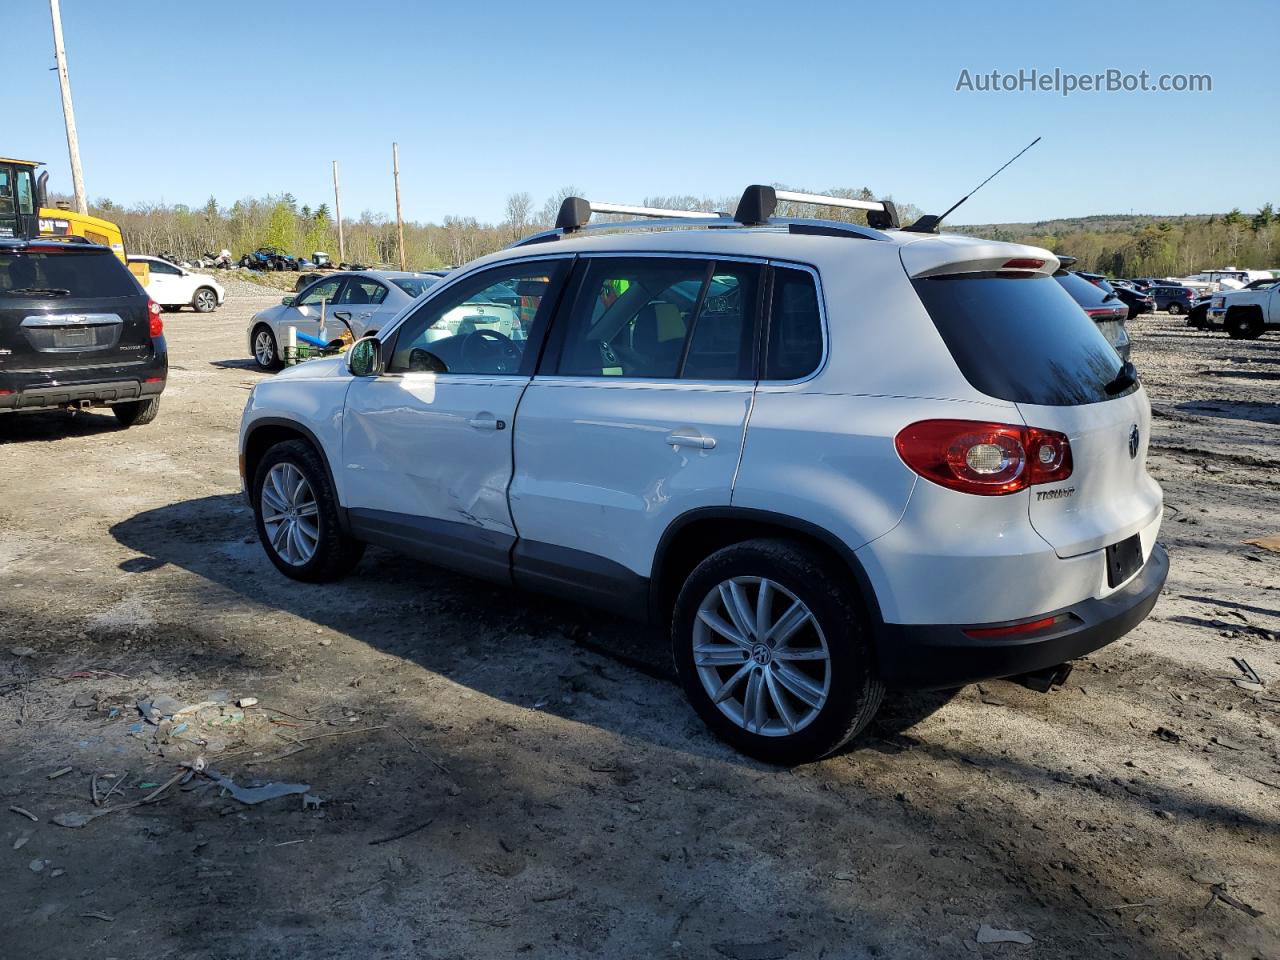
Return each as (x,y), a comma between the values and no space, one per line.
(1019,338)
(35,274)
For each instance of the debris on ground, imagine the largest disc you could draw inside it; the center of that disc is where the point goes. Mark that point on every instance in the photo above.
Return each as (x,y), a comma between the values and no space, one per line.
(1167,735)
(255,795)
(1250,674)
(988,934)
(23,651)
(26,813)
(771,950)
(1271,543)
(1219,892)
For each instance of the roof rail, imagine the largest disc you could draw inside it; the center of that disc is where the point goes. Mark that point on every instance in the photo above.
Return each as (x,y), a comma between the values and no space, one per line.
(576,211)
(759,202)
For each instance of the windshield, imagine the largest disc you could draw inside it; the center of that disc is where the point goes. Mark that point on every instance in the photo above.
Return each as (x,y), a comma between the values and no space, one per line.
(415,286)
(71,273)
(1021,338)
(1084,292)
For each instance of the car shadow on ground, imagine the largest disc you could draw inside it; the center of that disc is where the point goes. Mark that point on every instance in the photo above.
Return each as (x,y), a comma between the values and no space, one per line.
(240,364)
(450,624)
(55,425)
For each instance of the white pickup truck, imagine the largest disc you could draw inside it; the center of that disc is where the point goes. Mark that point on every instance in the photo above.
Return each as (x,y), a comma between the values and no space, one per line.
(1246,314)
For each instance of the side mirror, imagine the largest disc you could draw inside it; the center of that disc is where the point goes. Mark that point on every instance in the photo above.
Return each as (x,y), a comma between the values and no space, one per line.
(287,301)
(364,357)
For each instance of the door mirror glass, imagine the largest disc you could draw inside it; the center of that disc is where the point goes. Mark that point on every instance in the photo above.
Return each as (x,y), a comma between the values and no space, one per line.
(286,301)
(364,359)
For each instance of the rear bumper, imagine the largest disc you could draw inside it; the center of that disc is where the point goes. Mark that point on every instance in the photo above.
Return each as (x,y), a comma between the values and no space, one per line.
(49,389)
(941,656)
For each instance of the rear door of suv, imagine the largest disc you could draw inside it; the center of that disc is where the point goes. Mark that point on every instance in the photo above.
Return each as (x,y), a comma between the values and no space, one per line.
(69,313)
(636,415)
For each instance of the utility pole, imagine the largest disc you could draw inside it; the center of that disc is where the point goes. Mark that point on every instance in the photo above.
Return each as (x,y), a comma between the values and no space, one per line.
(337,212)
(395,173)
(68,111)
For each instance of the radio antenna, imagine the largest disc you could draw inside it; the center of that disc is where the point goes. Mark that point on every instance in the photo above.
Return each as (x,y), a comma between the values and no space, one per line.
(929,223)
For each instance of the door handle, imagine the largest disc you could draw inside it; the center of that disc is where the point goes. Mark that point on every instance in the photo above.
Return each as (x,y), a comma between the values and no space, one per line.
(487,423)
(691,440)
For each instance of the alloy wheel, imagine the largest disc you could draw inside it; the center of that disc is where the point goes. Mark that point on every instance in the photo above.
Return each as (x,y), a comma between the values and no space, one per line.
(290,514)
(264,349)
(206,301)
(761,656)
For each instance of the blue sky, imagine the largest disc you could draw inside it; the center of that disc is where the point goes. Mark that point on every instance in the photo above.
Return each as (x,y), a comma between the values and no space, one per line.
(177,101)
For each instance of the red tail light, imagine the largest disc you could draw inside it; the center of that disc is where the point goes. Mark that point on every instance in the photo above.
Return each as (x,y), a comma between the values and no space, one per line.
(155,324)
(1023,263)
(990,459)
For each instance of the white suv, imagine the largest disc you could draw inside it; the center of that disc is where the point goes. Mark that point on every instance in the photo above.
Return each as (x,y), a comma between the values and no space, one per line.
(830,458)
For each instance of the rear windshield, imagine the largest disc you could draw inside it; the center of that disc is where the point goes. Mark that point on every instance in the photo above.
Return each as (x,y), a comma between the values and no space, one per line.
(1085,293)
(1021,338)
(415,286)
(33,275)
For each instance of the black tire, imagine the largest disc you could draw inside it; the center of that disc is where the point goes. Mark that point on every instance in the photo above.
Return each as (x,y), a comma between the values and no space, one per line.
(267,358)
(336,552)
(1244,324)
(1174,308)
(853,690)
(137,412)
(205,300)
(170,308)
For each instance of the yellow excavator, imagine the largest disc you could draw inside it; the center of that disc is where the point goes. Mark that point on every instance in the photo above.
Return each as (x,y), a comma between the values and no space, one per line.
(25,210)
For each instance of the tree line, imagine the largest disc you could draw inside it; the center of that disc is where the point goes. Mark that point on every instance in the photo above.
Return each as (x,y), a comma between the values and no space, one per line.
(1115,245)
(1155,246)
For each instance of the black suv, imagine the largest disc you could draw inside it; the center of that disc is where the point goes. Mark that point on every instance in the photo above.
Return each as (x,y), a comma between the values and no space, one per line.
(76,330)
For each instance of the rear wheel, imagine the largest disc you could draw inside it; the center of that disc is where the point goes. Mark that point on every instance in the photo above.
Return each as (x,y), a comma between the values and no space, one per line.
(769,642)
(138,412)
(296,512)
(1244,324)
(205,300)
(265,351)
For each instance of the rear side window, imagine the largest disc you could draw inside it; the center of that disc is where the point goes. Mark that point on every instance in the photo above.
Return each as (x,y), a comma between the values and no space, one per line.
(795,326)
(1022,339)
(34,274)
(651,317)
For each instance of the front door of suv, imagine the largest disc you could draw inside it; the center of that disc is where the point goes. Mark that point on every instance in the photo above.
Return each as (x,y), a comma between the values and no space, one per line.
(427,444)
(636,416)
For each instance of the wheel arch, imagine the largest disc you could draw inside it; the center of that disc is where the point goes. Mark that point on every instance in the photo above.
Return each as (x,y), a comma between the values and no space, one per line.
(695,535)
(266,433)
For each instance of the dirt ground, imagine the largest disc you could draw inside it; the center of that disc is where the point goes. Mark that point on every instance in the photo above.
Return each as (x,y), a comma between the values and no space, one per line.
(501,775)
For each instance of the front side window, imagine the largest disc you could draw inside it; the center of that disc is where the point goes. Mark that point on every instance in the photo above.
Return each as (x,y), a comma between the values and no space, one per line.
(483,324)
(363,292)
(324,291)
(650,317)
(159,266)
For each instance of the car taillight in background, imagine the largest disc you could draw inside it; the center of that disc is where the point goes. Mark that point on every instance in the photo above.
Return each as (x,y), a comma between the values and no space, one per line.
(990,459)
(155,325)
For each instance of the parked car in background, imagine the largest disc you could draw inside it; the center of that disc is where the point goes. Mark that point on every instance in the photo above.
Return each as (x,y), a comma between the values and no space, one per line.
(363,302)
(1138,301)
(701,425)
(1103,306)
(76,331)
(1247,314)
(1176,300)
(176,287)
(268,258)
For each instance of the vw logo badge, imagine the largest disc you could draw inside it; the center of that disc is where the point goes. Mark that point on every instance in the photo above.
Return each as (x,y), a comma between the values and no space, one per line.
(1133,441)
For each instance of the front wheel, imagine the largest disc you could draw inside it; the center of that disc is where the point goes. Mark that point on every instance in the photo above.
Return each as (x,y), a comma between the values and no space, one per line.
(265,351)
(137,412)
(1174,309)
(296,513)
(1244,325)
(205,300)
(769,642)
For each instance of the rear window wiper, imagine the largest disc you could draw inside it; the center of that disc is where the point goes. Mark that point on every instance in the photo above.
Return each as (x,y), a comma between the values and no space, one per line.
(37,292)
(1126,378)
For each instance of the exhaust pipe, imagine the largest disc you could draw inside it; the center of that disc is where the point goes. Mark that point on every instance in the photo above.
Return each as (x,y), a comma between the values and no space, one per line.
(1042,681)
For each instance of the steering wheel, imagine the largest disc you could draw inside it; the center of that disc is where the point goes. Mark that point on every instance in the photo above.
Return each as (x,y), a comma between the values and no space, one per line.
(484,346)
